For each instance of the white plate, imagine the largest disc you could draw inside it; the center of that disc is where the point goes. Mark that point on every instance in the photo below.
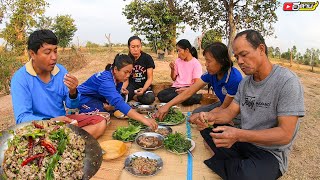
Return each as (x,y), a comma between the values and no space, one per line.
(144,154)
(193,145)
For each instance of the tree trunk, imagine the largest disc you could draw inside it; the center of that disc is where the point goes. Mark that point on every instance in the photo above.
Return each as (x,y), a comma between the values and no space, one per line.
(172,28)
(232,25)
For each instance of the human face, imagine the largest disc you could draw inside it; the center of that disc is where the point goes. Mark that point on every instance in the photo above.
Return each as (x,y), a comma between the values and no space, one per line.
(212,65)
(135,48)
(248,58)
(182,53)
(45,59)
(123,74)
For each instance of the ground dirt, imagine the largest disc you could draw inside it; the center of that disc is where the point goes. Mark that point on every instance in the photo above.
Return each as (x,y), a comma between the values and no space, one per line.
(304,159)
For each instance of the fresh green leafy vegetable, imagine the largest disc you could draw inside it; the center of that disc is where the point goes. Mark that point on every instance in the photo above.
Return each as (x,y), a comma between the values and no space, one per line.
(136,123)
(173,117)
(35,133)
(177,143)
(62,137)
(126,133)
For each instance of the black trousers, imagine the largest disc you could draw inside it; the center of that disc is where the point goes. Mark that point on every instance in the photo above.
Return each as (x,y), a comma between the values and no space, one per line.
(243,161)
(168,94)
(147,98)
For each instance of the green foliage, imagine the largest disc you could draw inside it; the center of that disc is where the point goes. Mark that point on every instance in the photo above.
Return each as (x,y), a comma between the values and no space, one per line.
(156,20)
(22,16)
(91,45)
(44,23)
(64,28)
(286,55)
(8,65)
(227,17)
(210,37)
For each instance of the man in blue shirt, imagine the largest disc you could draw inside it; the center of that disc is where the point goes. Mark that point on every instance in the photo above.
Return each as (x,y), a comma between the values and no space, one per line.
(42,88)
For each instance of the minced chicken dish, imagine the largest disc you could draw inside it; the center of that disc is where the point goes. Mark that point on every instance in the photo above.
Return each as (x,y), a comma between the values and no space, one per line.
(44,150)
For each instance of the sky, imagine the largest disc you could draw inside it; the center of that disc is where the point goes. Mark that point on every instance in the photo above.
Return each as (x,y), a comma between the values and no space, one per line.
(95,18)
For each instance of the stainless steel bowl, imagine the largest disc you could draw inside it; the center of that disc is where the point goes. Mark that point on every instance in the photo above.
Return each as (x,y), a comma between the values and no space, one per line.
(169,129)
(157,136)
(145,108)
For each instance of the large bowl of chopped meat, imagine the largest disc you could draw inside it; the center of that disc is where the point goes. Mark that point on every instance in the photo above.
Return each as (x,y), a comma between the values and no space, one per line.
(48,150)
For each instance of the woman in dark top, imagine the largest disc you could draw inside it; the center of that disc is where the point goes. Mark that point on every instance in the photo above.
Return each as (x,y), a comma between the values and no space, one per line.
(139,84)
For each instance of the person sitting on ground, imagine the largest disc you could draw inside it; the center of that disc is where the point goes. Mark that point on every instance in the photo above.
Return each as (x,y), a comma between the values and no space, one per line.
(185,71)
(42,88)
(221,75)
(139,84)
(270,100)
(102,91)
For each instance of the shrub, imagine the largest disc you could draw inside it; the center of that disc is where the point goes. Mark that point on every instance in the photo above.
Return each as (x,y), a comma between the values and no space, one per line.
(9,63)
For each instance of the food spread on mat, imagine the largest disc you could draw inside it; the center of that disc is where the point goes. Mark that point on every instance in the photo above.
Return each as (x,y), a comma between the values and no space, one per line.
(44,150)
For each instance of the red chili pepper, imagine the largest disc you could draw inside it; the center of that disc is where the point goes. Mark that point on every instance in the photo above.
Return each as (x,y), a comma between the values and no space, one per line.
(48,146)
(31,158)
(36,125)
(30,145)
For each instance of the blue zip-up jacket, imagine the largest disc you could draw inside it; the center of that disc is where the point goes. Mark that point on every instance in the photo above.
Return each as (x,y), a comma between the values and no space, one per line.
(102,86)
(33,99)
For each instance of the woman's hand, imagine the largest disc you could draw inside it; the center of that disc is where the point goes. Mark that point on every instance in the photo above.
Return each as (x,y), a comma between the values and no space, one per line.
(108,107)
(150,123)
(180,90)
(139,92)
(124,91)
(162,112)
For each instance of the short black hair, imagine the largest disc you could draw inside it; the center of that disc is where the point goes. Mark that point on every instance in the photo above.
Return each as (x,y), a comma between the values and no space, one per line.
(254,38)
(39,37)
(133,38)
(220,52)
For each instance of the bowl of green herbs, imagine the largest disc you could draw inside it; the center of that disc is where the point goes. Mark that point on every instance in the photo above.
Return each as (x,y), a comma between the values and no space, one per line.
(178,143)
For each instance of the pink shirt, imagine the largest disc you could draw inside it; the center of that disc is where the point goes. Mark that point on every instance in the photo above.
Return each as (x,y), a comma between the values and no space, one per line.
(186,71)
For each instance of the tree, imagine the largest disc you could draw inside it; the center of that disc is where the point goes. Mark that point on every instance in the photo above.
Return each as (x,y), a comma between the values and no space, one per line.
(277,52)
(286,55)
(156,20)
(210,37)
(228,16)
(44,23)
(64,28)
(294,52)
(22,16)
(271,52)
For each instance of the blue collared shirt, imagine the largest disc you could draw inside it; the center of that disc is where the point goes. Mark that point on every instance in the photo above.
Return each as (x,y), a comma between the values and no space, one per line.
(227,85)
(33,99)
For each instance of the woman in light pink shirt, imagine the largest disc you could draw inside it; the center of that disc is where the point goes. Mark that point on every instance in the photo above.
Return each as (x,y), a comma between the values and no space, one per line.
(185,71)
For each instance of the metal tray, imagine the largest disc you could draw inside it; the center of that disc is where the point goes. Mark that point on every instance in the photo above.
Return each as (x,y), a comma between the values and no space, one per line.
(93,152)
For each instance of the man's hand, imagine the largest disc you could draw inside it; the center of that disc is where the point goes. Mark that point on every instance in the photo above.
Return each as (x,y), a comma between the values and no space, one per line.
(162,112)
(71,82)
(65,120)
(201,120)
(224,136)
